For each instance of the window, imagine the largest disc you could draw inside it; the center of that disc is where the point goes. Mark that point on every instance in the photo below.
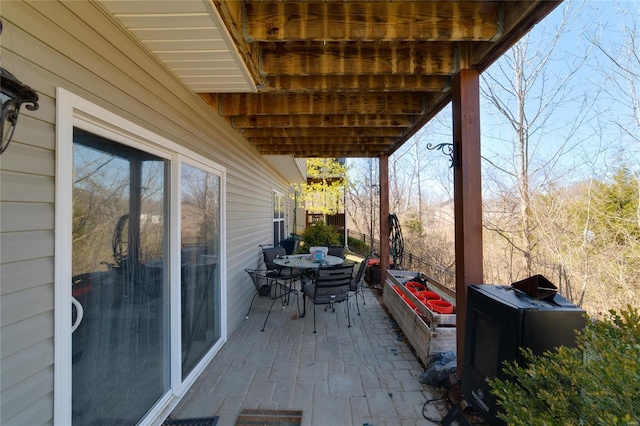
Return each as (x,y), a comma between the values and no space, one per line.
(278,217)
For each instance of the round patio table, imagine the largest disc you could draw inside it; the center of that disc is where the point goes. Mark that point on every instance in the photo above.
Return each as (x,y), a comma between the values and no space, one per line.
(304,261)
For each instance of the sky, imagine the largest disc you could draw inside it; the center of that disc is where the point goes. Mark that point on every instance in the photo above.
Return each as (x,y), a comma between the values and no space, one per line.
(588,128)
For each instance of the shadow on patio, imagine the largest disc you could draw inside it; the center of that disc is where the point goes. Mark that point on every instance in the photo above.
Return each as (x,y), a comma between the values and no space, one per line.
(341,376)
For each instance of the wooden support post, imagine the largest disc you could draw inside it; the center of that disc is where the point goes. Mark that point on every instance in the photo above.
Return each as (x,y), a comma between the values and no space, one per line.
(384,217)
(467,194)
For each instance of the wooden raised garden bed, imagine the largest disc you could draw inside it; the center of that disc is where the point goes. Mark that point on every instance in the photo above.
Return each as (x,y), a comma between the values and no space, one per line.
(428,332)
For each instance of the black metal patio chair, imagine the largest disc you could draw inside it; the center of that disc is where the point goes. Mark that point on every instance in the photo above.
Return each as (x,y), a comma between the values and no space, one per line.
(285,275)
(329,286)
(356,283)
(337,251)
(271,289)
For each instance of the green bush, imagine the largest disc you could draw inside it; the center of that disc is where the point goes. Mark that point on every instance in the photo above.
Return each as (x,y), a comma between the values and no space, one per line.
(359,246)
(595,383)
(318,234)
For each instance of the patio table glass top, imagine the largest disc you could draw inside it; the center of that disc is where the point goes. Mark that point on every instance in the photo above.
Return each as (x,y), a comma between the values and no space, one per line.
(304,261)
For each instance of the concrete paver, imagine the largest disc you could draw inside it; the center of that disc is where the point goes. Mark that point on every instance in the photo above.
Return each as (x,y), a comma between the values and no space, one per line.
(340,376)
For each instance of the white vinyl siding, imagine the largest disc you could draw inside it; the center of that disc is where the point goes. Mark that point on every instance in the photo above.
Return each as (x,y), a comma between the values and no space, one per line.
(76,46)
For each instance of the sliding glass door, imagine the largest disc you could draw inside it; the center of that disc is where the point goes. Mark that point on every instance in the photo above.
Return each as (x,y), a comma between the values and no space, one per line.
(200,270)
(140,267)
(120,340)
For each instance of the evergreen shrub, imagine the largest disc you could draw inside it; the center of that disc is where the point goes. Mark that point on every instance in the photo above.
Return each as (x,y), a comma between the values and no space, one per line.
(318,234)
(595,383)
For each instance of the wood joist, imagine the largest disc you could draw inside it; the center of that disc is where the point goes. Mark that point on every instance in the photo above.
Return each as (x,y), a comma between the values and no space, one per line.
(357,83)
(319,121)
(357,59)
(234,104)
(372,21)
(358,78)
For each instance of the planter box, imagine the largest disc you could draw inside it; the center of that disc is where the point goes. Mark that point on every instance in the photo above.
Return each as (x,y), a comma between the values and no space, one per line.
(431,335)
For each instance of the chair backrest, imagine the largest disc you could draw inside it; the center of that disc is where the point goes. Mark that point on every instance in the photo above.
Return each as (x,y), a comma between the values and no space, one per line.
(290,245)
(355,283)
(335,251)
(332,283)
(270,253)
(260,281)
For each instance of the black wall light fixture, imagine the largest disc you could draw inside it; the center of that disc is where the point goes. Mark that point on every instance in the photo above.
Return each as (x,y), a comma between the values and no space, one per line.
(13,95)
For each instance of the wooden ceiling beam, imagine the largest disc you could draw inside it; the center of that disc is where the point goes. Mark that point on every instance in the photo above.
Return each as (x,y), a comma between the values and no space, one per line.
(318,132)
(436,105)
(346,59)
(233,104)
(357,83)
(322,140)
(325,151)
(372,21)
(320,120)
(358,78)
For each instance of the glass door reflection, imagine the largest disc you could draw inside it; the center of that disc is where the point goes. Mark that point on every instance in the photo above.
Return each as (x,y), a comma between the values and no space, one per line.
(120,364)
(200,271)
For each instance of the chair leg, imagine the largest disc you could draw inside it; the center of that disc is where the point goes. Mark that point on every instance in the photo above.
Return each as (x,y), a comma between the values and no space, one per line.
(289,292)
(284,297)
(250,305)
(349,316)
(268,313)
(281,293)
(314,318)
(357,306)
(288,284)
(298,302)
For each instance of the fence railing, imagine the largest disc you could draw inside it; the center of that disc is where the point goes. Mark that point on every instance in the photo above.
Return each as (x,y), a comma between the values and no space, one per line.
(369,244)
(443,274)
(334,220)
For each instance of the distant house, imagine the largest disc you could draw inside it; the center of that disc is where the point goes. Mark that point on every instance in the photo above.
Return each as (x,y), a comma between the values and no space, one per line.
(328,207)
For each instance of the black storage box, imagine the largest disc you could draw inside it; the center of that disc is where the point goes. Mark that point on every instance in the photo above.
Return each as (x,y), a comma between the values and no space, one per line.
(501,320)
(372,273)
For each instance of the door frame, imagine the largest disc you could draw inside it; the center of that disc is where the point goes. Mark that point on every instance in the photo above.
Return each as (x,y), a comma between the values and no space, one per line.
(74,111)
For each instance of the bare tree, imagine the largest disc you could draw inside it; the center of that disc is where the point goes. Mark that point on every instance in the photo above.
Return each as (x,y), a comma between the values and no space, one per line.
(531,96)
(363,197)
(200,207)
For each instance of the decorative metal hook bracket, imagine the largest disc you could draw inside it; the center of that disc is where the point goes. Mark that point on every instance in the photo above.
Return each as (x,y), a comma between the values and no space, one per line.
(447,149)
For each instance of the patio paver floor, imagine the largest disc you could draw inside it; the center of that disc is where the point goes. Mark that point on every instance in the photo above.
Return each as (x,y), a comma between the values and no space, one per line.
(340,376)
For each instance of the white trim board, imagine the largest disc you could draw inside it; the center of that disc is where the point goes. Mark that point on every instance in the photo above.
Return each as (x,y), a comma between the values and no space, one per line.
(74,111)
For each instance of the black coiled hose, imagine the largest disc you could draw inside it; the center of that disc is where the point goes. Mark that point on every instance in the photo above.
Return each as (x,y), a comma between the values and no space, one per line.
(396,243)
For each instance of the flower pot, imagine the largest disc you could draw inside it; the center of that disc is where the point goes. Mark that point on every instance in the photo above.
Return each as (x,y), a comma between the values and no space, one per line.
(429,295)
(440,306)
(414,287)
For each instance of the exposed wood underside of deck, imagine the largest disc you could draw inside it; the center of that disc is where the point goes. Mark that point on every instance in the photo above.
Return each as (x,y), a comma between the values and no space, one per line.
(358,78)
